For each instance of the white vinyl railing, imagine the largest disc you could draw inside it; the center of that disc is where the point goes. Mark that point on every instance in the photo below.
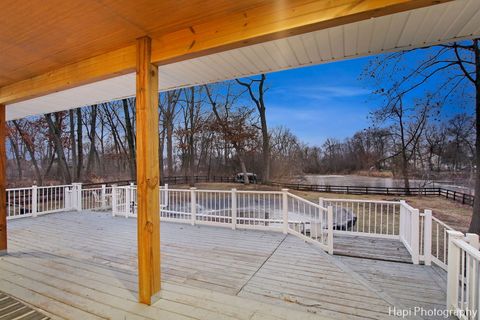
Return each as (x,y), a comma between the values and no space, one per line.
(33,201)
(310,221)
(261,210)
(424,236)
(96,198)
(434,240)
(463,282)
(19,203)
(365,217)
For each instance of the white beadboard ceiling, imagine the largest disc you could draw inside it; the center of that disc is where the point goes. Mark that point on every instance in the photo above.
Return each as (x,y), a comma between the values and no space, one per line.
(446,22)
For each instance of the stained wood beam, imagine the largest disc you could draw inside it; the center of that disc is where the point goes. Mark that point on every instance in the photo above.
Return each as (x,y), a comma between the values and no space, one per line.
(108,65)
(148,176)
(274,20)
(3,183)
(270,22)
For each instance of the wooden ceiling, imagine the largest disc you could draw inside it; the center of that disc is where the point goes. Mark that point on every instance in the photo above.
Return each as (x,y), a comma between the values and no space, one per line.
(38,38)
(42,44)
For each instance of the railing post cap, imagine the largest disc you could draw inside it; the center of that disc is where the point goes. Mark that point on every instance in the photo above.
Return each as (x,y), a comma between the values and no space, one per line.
(234,189)
(285,189)
(427,212)
(193,188)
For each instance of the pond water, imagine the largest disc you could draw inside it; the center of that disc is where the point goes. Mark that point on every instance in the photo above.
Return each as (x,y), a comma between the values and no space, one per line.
(353,180)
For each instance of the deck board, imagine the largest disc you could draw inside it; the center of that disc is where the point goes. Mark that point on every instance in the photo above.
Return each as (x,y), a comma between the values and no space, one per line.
(83,266)
(412,285)
(371,248)
(11,308)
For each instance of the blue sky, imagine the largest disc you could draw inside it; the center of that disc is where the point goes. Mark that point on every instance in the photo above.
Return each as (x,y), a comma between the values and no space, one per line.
(321,101)
(331,101)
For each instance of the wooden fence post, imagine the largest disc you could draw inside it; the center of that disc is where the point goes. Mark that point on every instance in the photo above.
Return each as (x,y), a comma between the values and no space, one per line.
(285,210)
(453,269)
(234,208)
(427,237)
(193,205)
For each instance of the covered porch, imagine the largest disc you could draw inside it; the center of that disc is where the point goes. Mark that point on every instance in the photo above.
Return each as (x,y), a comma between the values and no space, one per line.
(86,265)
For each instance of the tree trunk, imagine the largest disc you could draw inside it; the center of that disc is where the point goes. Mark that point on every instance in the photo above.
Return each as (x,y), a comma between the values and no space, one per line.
(79,144)
(18,158)
(169,128)
(62,161)
(191,150)
(72,141)
(130,141)
(244,171)
(30,151)
(475,222)
(92,136)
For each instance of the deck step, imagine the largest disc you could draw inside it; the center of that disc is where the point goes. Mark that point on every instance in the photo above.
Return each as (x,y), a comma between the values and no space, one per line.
(371,248)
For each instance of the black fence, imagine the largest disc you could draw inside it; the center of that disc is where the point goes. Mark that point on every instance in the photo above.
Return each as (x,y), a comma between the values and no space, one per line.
(399,191)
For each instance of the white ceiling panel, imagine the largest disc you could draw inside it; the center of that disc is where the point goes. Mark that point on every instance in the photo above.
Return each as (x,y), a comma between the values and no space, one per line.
(459,19)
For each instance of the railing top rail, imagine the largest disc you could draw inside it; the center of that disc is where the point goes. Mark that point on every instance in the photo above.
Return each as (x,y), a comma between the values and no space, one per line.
(469,249)
(97,188)
(313,204)
(259,192)
(59,186)
(18,189)
(203,190)
(440,222)
(408,207)
(360,200)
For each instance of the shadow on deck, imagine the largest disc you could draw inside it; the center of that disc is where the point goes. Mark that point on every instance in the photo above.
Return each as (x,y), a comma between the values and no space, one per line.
(83,266)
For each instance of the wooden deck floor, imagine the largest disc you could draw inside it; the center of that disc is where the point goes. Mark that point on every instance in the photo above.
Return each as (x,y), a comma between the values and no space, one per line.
(83,266)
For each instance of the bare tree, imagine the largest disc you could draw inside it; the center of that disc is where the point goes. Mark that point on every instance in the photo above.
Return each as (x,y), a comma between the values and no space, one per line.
(257,96)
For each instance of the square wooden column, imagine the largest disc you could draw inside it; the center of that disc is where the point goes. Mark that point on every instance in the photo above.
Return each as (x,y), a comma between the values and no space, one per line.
(148,177)
(3,182)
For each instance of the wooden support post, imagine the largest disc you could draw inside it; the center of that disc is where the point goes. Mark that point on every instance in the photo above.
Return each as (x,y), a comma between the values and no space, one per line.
(148,176)
(3,182)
